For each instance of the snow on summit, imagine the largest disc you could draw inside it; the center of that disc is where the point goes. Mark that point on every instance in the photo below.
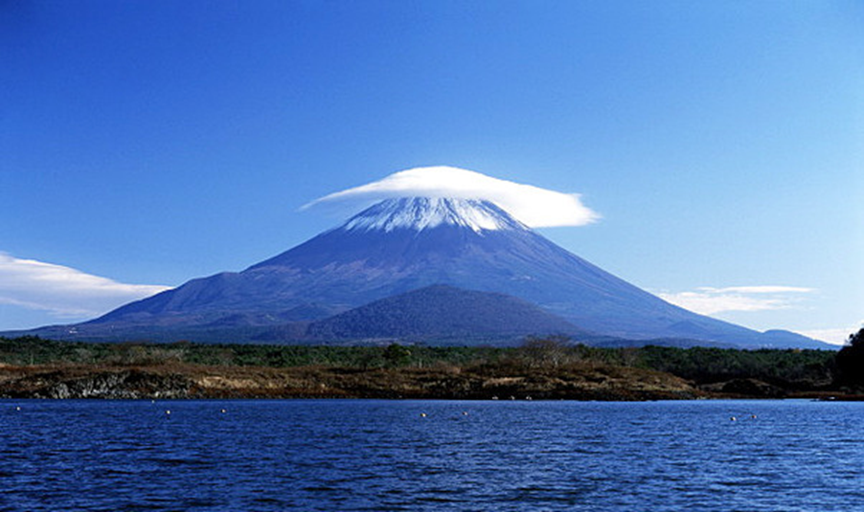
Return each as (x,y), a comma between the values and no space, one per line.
(533,206)
(419,213)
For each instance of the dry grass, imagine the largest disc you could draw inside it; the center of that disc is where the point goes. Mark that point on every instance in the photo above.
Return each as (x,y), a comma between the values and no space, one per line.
(574,381)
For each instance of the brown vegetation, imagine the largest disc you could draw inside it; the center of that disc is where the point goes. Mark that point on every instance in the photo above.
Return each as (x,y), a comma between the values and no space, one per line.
(548,368)
(575,381)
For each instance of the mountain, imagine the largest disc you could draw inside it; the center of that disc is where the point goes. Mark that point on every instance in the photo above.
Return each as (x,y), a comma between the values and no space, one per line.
(404,244)
(441,313)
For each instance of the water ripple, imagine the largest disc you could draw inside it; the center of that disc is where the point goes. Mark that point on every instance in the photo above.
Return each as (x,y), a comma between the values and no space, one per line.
(385,455)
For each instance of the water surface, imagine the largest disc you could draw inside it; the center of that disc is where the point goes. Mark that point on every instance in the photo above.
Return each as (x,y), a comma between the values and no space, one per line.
(386,455)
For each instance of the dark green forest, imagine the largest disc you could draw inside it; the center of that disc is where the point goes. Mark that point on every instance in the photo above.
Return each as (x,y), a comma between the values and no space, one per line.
(790,370)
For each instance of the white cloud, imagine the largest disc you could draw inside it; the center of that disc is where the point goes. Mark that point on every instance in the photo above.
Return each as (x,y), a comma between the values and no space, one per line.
(62,291)
(709,301)
(533,206)
(837,336)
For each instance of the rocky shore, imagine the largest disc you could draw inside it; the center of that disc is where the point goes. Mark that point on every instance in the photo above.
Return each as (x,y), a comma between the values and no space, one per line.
(573,382)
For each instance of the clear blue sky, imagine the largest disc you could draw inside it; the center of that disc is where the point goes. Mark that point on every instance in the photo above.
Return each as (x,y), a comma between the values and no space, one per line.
(150,142)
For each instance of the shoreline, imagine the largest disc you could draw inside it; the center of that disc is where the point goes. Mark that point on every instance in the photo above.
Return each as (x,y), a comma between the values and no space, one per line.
(31,367)
(580,382)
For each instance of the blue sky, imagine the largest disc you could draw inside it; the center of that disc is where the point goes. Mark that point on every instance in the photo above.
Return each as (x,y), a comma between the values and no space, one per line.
(151,142)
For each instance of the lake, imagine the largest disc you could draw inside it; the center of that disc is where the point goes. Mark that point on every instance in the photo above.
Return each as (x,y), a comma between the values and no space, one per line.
(431,455)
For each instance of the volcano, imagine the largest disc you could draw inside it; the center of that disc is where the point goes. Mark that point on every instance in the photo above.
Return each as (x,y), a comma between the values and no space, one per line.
(404,244)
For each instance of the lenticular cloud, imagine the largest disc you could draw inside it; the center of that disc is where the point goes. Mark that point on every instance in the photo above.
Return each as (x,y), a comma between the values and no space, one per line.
(535,207)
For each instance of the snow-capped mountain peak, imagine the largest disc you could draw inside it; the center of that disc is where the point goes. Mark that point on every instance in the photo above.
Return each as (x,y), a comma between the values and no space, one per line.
(419,213)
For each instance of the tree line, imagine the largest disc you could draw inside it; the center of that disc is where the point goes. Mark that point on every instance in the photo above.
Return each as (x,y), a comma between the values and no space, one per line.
(790,369)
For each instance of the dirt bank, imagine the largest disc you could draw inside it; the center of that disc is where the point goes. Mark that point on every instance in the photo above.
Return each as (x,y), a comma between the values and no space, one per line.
(572,382)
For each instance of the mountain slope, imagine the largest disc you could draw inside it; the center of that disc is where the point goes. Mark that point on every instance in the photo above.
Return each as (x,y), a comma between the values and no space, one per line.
(400,245)
(441,312)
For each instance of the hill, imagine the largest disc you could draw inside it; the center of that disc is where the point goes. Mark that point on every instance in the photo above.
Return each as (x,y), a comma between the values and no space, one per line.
(442,313)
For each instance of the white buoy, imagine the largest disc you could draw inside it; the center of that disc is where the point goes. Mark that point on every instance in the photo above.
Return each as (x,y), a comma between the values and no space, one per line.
(422,414)
(167,412)
(733,418)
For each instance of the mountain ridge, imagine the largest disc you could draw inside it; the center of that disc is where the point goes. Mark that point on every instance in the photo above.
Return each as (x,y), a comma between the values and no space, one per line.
(441,312)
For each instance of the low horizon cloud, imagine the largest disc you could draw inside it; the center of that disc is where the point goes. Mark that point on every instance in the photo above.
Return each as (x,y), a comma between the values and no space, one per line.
(533,206)
(834,336)
(64,292)
(707,300)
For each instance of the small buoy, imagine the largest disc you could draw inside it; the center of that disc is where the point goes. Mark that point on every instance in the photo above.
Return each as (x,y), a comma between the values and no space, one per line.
(223,411)
(464,413)
(494,398)
(422,414)
(17,407)
(733,418)
(512,397)
(167,412)
(528,398)
(752,416)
